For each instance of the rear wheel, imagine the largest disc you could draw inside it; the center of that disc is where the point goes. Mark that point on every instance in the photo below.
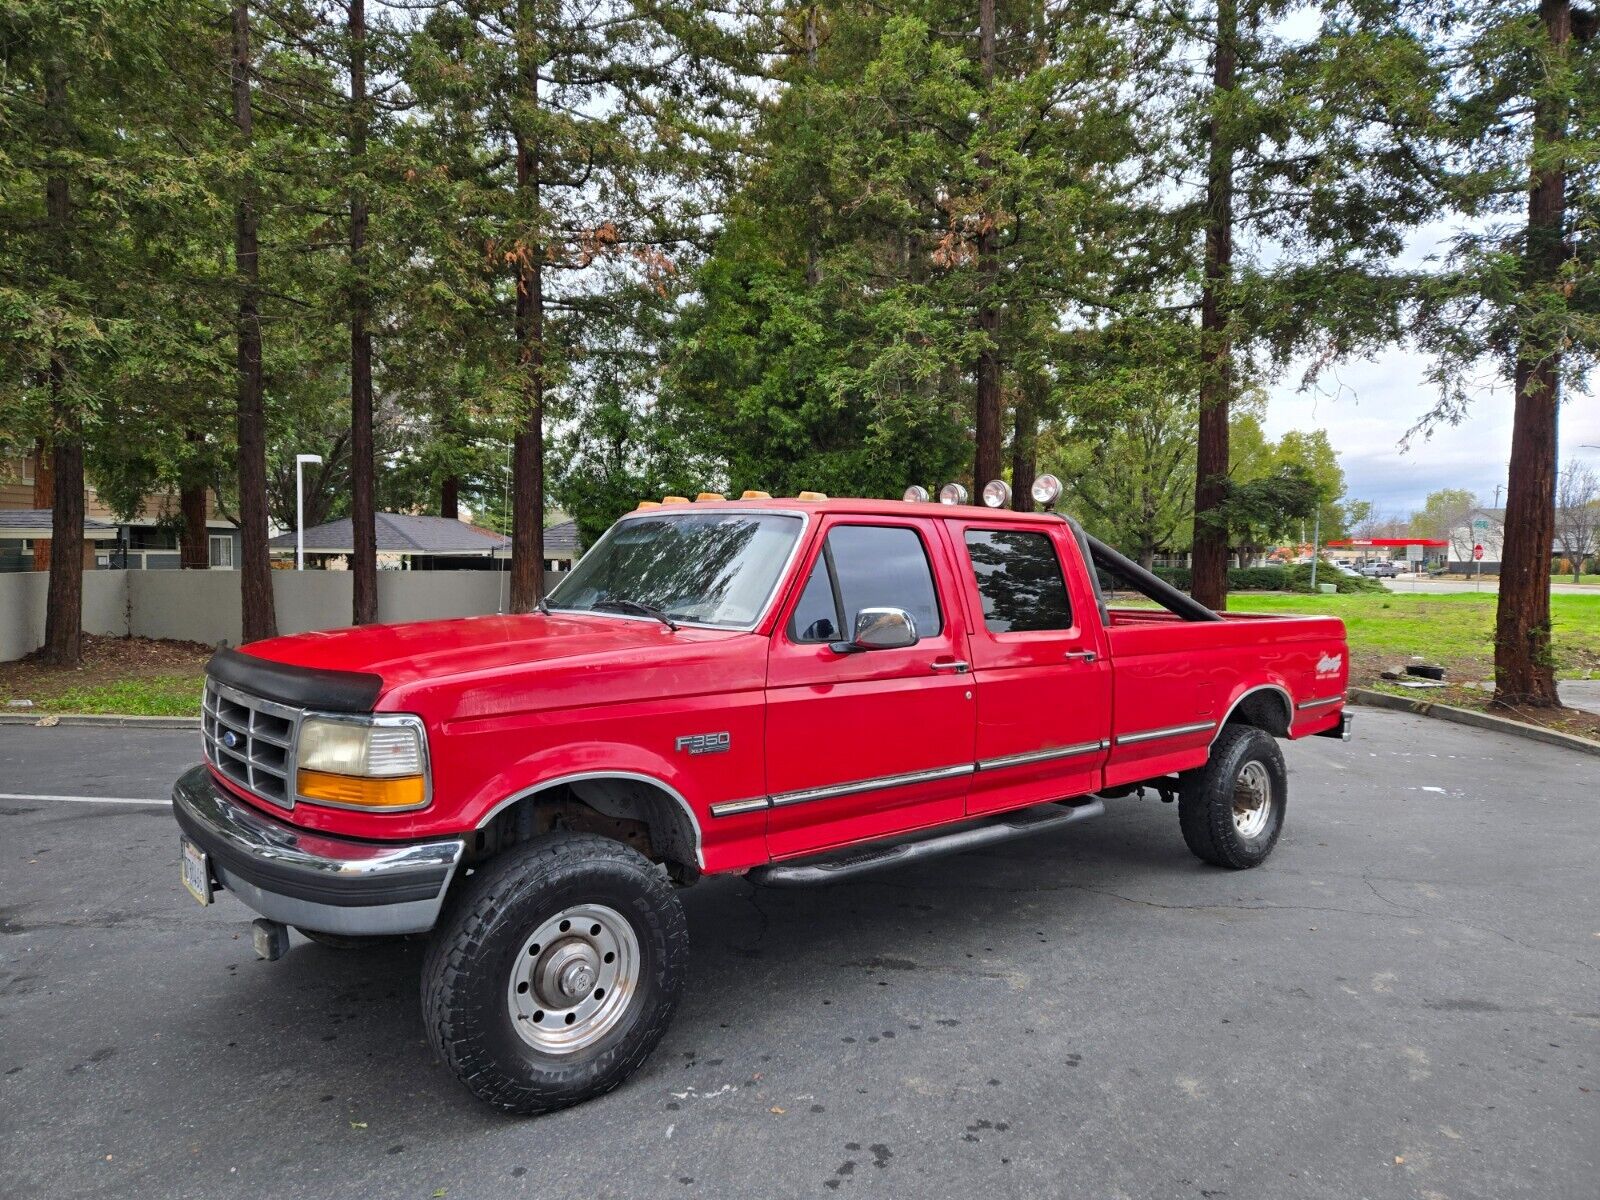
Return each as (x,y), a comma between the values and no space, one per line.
(1231,810)
(555,973)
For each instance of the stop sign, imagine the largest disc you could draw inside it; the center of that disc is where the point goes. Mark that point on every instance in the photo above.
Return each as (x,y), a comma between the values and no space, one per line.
(1477,551)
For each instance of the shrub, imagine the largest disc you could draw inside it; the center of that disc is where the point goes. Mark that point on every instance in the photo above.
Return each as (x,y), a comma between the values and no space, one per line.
(1299,579)
(1258,579)
(1178,577)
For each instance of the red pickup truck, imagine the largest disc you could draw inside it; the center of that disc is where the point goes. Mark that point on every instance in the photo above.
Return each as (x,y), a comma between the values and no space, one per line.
(799,691)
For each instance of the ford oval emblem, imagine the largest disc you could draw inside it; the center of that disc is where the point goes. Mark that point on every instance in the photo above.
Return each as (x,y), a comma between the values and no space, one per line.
(230,739)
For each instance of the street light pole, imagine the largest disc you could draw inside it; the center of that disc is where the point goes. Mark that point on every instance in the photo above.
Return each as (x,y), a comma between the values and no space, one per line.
(300,460)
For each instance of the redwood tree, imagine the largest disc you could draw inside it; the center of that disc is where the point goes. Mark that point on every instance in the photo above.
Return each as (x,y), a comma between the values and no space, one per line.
(986,373)
(1210,570)
(364,563)
(1524,672)
(255,567)
(63,622)
(1522,120)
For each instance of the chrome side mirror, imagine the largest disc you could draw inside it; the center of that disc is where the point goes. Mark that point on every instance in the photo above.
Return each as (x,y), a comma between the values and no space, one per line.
(880,629)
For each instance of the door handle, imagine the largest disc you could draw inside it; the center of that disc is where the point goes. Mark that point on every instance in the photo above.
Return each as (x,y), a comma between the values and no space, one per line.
(956,665)
(1087,656)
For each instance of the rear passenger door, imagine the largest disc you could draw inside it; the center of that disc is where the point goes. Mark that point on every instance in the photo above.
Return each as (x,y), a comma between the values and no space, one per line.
(1040,670)
(860,745)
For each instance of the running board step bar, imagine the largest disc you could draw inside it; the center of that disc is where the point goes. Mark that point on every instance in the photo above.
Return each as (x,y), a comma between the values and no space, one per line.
(863,862)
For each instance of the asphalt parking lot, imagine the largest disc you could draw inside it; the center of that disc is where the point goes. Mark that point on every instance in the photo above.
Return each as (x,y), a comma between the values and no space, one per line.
(1403,1002)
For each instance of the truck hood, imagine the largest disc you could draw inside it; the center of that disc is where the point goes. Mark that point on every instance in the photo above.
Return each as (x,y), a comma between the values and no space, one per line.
(428,651)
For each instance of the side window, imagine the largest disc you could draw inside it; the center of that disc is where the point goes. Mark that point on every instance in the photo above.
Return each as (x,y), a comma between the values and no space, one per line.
(884,566)
(866,566)
(816,617)
(1019,580)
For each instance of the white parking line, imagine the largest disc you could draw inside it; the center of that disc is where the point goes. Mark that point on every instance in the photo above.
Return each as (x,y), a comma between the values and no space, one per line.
(84,799)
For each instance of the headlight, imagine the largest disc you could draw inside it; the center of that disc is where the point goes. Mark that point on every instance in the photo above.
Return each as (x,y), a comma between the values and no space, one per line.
(376,763)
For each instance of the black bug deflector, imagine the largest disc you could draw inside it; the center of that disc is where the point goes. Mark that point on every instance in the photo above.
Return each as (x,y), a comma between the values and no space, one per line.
(301,687)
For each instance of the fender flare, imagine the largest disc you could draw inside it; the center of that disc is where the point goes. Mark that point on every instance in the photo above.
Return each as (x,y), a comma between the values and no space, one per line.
(1276,688)
(600,775)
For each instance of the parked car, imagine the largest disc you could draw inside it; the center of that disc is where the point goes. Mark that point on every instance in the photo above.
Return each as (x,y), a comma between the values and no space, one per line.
(795,691)
(1380,570)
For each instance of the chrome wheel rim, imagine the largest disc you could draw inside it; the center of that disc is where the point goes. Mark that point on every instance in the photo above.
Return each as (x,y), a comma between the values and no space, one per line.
(573,979)
(1252,799)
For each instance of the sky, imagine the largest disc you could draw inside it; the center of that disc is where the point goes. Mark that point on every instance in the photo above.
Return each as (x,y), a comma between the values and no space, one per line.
(1368,406)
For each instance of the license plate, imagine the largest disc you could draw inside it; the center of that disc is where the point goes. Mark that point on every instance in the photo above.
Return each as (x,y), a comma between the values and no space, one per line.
(195,869)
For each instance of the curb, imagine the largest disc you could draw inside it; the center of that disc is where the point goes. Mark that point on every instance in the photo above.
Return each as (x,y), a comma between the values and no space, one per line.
(101,720)
(1467,716)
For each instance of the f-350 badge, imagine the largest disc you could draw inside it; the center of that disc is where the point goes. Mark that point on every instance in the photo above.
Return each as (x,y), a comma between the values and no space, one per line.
(705,743)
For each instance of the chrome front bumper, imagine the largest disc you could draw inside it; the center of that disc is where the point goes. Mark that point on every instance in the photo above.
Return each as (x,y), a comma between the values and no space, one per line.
(313,880)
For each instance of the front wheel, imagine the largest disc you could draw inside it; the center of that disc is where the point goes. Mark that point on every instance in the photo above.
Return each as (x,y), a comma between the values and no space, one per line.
(555,973)
(1231,810)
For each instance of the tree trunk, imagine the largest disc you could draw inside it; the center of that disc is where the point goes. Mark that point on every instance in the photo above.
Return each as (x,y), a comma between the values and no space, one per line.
(1524,673)
(255,567)
(63,621)
(44,496)
(1209,583)
(194,546)
(527,468)
(987,408)
(1024,445)
(364,563)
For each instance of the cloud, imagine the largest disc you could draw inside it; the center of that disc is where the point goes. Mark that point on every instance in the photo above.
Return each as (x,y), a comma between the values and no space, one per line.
(1368,406)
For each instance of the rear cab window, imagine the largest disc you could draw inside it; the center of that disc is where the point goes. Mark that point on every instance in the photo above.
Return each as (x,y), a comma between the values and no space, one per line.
(1019,580)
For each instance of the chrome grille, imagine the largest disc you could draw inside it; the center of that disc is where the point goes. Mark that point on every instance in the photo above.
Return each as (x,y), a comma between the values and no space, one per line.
(262,736)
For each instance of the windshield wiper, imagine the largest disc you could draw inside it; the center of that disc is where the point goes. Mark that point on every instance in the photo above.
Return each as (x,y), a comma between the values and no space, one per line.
(634,606)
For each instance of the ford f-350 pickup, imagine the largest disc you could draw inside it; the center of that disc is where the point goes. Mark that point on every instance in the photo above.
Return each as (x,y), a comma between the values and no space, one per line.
(799,691)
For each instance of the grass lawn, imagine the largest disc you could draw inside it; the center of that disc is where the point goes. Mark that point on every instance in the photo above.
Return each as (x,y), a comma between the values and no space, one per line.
(1455,631)
(1455,628)
(130,676)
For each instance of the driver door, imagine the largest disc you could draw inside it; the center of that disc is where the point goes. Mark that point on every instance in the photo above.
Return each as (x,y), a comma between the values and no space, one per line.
(877,742)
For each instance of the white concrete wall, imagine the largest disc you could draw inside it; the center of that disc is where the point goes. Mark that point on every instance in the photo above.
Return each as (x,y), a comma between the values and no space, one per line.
(203,606)
(22,608)
(429,595)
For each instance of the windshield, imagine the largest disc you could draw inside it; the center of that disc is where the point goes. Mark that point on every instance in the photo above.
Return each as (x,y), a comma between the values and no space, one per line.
(709,568)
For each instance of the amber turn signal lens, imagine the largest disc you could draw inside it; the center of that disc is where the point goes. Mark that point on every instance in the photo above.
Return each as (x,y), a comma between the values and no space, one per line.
(405,791)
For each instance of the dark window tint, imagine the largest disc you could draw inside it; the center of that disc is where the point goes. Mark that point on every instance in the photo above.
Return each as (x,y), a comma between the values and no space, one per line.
(873,567)
(816,617)
(884,567)
(1019,579)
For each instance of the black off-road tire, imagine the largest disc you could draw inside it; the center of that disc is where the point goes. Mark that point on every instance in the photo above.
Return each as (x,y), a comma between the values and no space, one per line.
(469,964)
(350,941)
(1206,799)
